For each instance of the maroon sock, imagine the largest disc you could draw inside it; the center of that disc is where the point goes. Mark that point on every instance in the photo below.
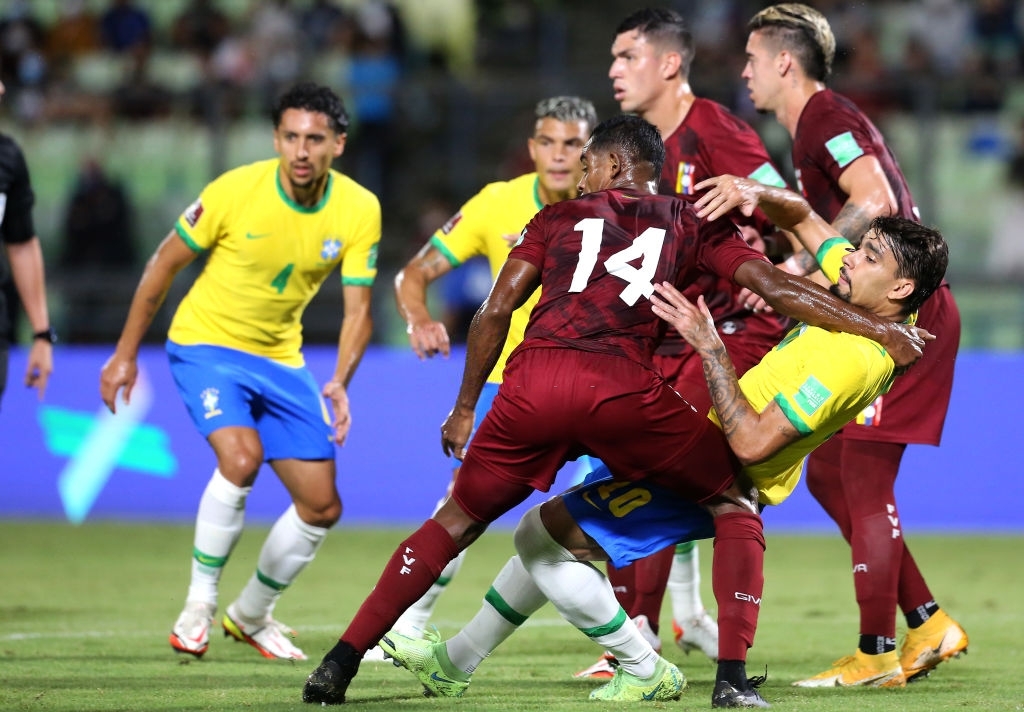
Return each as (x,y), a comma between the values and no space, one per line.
(737,577)
(650,580)
(412,569)
(623,581)
(876,535)
(877,548)
(913,591)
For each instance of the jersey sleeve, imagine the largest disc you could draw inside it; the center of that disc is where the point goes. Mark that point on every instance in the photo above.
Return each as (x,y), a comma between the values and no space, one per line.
(359,265)
(836,139)
(830,256)
(463,236)
(826,385)
(532,244)
(200,225)
(16,225)
(722,250)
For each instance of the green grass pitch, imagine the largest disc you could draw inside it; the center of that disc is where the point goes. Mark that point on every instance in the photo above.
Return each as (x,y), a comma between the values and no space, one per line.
(85,612)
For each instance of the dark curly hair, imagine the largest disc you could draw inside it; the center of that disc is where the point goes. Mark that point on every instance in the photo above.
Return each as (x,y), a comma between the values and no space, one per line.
(313,97)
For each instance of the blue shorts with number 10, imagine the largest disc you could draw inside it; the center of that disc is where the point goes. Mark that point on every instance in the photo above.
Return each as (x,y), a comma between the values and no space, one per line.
(631,520)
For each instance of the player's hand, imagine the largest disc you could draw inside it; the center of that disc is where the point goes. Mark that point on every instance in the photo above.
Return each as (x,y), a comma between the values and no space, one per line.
(117,373)
(335,391)
(40,366)
(692,321)
(752,301)
(429,338)
(724,194)
(455,432)
(905,344)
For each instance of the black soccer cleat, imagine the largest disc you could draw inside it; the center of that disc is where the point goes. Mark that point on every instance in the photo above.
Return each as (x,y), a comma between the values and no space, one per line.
(727,695)
(328,683)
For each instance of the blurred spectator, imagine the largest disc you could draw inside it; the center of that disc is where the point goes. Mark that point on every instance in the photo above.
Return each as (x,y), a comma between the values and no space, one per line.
(276,42)
(139,97)
(124,25)
(200,27)
(943,28)
(997,35)
(1006,254)
(22,63)
(98,247)
(75,32)
(374,72)
(323,24)
(98,228)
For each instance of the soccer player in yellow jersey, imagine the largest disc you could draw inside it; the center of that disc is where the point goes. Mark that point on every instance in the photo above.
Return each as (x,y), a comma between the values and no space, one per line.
(272,232)
(810,385)
(488,225)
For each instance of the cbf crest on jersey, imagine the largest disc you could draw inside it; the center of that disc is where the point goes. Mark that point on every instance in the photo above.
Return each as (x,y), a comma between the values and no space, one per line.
(684,178)
(330,249)
(210,398)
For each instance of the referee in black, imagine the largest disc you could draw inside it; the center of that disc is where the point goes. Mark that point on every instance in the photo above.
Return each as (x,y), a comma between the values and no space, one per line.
(24,264)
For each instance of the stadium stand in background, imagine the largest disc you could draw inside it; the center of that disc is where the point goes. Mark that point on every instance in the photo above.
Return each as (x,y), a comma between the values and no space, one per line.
(162,95)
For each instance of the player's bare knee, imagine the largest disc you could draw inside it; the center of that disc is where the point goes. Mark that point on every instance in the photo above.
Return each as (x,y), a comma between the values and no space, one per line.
(324,515)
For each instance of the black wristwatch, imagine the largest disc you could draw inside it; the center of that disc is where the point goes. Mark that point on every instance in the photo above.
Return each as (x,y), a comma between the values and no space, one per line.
(47,334)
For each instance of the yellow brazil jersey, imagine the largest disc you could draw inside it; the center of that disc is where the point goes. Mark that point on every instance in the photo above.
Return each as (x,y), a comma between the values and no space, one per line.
(821,379)
(267,257)
(489,224)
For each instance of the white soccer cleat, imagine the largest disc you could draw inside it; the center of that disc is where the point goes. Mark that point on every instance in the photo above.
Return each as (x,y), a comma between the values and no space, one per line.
(270,637)
(191,632)
(699,632)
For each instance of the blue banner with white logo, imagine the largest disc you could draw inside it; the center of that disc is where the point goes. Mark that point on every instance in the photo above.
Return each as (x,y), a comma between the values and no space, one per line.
(67,457)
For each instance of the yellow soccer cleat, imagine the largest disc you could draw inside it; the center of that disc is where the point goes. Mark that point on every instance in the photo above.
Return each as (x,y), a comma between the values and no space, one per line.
(935,641)
(860,669)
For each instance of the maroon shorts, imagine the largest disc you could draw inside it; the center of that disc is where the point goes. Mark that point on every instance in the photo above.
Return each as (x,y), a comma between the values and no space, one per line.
(914,410)
(556,404)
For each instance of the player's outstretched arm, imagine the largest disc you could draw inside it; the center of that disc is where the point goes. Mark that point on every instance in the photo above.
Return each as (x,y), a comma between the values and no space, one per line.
(786,209)
(805,301)
(426,335)
(121,370)
(516,281)
(752,436)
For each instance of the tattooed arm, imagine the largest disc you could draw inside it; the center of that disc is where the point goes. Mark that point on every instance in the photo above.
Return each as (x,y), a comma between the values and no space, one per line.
(426,336)
(869,195)
(752,436)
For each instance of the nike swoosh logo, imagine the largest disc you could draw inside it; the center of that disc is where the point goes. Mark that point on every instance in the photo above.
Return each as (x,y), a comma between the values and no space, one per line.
(251,236)
(437,678)
(650,695)
(586,498)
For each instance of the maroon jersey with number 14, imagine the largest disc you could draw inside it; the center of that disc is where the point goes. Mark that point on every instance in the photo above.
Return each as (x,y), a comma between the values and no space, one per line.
(583,380)
(599,256)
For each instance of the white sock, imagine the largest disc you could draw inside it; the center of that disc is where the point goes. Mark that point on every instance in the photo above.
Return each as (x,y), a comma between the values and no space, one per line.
(582,595)
(291,544)
(512,598)
(415,617)
(219,523)
(684,582)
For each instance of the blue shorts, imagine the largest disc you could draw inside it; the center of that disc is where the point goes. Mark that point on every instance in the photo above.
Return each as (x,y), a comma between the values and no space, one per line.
(631,520)
(224,387)
(483,404)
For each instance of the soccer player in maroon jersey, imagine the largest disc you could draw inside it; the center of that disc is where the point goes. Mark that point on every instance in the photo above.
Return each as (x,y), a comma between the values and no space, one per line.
(583,380)
(849,175)
(652,52)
